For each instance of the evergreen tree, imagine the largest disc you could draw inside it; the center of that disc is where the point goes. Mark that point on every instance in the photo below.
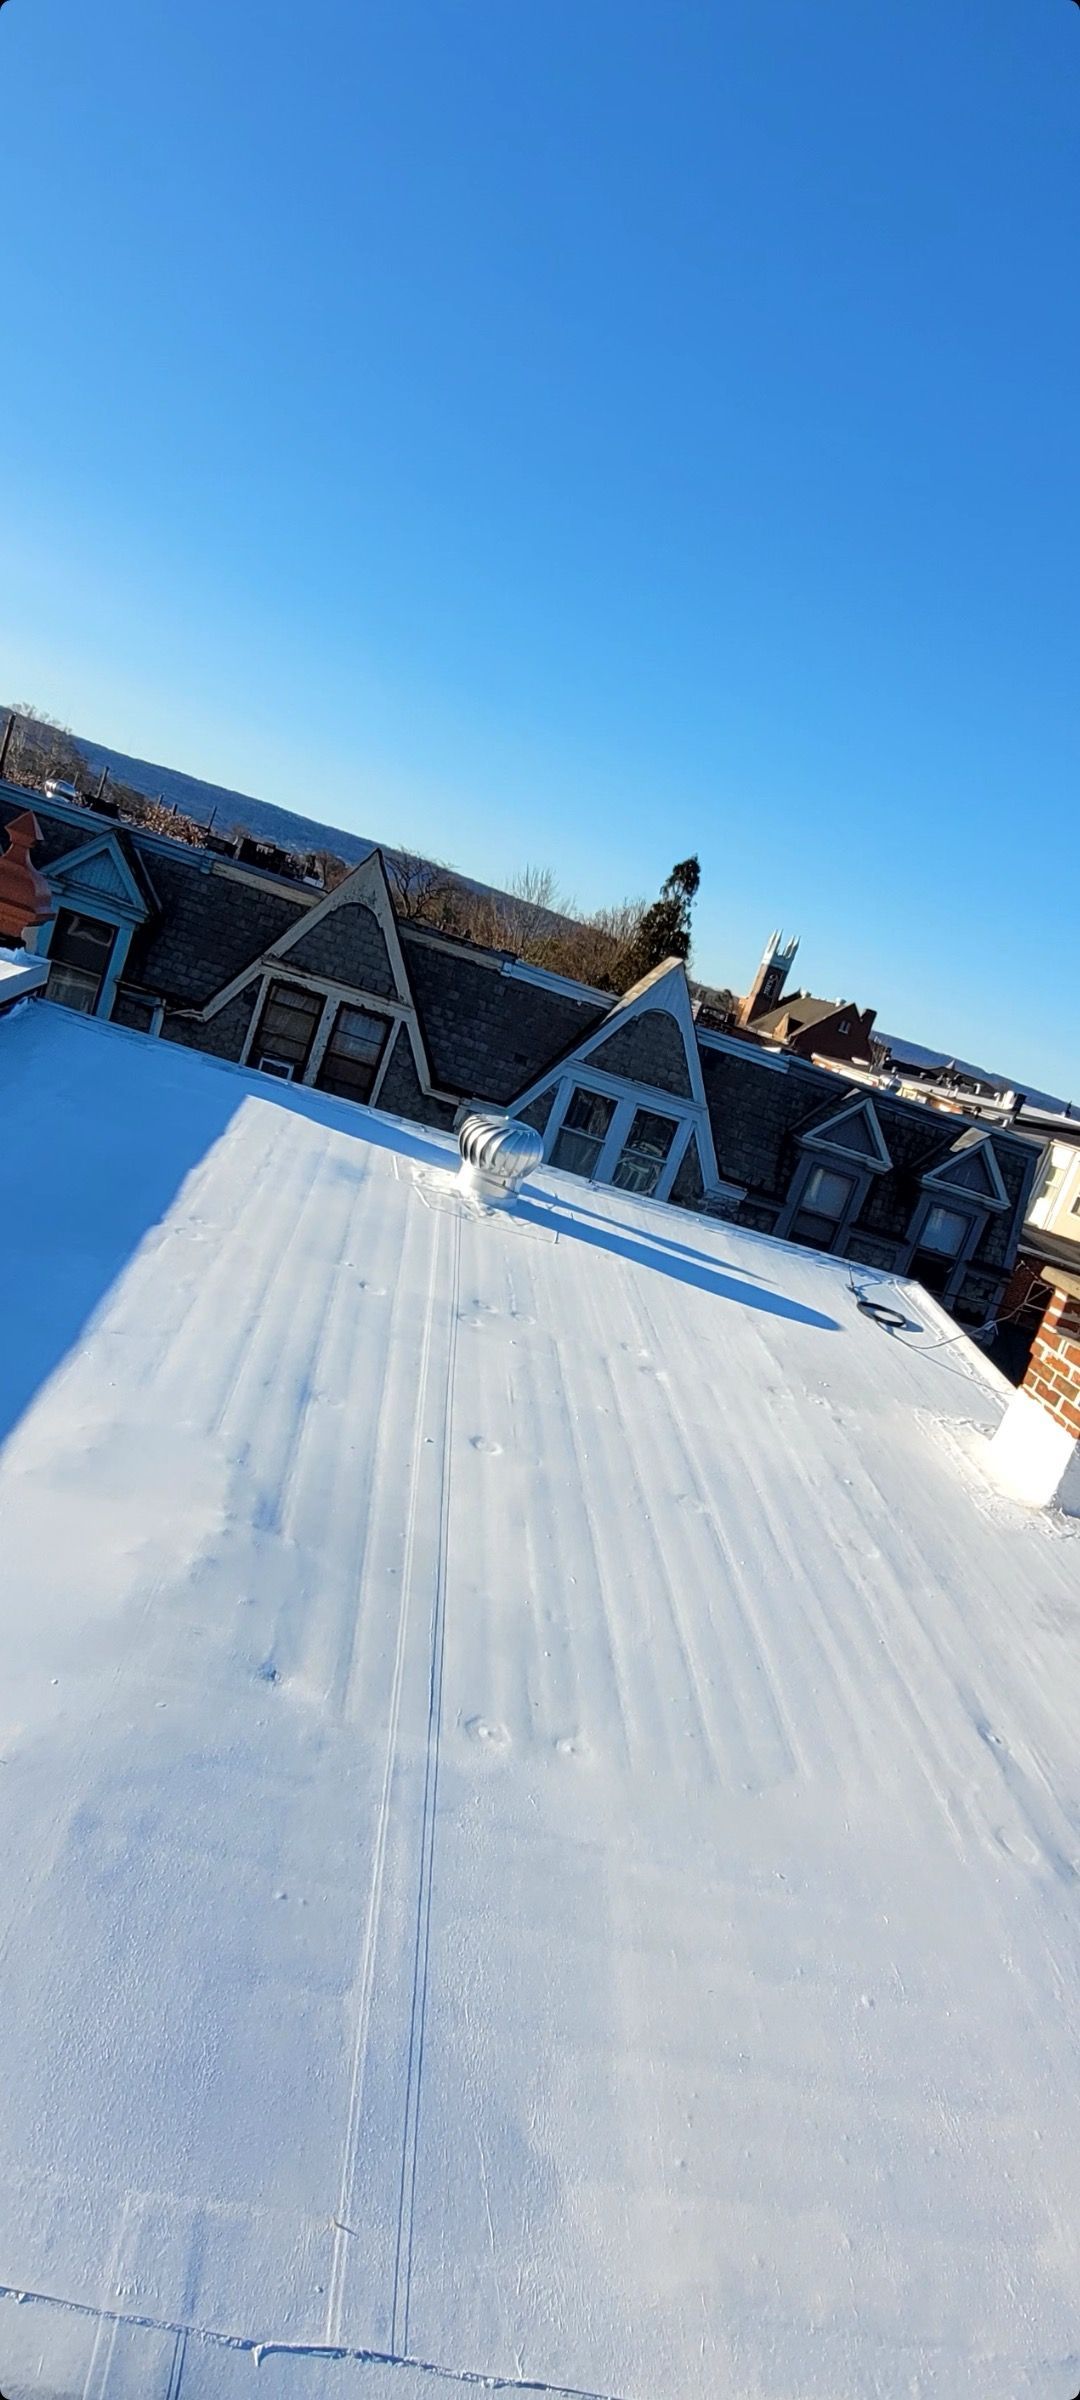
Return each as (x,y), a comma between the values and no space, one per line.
(664,931)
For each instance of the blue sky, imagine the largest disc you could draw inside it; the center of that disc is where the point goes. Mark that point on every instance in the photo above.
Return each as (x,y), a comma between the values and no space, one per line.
(581,432)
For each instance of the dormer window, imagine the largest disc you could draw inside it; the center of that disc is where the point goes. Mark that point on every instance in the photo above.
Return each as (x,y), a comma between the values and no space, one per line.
(645,1151)
(628,1106)
(959,1195)
(350,1061)
(840,1155)
(79,955)
(583,1131)
(946,1236)
(826,1199)
(286,1030)
(944,1230)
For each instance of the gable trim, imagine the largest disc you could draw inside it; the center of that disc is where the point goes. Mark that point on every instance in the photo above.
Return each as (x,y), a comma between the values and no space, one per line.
(941,1176)
(665,990)
(126,895)
(824,1137)
(367,885)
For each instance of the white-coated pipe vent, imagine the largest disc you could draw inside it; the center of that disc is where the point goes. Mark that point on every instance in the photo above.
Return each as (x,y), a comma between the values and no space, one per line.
(496,1155)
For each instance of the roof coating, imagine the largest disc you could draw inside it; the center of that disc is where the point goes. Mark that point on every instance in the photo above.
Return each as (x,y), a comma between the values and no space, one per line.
(540,1790)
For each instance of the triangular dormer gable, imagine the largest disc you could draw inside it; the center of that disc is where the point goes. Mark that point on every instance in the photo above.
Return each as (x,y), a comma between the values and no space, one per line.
(852,1132)
(365,888)
(626,1049)
(309,949)
(971,1168)
(611,1046)
(100,875)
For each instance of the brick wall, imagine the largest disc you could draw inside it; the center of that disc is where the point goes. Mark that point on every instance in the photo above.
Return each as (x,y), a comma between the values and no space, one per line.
(1053,1377)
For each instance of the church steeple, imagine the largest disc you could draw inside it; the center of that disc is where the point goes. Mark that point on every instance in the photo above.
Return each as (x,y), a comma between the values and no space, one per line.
(766,991)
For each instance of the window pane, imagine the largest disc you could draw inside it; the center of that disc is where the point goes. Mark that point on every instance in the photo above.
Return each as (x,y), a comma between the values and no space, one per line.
(818,1233)
(580,1138)
(827,1193)
(82,941)
(351,1057)
(575,1152)
(287,1026)
(589,1112)
(73,988)
(79,953)
(944,1231)
(929,1268)
(647,1145)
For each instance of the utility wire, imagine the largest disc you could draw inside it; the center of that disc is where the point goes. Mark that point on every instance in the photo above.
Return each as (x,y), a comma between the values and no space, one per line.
(896,1325)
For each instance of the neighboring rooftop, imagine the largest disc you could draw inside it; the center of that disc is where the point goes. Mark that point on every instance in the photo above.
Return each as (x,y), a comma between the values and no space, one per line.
(21,972)
(539,1785)
(938,1066)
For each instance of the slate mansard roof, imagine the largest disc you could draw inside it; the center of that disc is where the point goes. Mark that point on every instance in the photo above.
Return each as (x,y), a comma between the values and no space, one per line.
(474,1024)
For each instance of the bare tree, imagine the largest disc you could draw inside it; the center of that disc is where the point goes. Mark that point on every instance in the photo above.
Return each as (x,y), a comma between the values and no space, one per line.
(38,750)
(422,889)
(157,816)
(330,869)
(535,920)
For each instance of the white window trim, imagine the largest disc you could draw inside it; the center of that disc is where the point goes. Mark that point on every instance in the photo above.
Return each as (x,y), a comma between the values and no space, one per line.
(828,1138)
(123,929)
(938,1178)
(334,996)
(685,1116)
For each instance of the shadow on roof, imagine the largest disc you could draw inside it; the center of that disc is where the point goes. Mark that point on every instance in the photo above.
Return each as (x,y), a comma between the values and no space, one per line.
(104,1128)
(672,1259)
(663,1241)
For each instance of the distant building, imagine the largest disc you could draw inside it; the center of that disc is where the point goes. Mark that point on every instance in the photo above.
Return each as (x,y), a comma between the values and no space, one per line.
(798,1021)
(330,990)
(777,960)
(1053,1218)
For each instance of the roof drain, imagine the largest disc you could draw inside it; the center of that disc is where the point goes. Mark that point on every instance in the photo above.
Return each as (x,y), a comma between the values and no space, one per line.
(497,1153)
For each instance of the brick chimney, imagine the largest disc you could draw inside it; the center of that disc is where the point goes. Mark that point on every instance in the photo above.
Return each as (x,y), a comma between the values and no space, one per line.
(1036,1449)
(25,898)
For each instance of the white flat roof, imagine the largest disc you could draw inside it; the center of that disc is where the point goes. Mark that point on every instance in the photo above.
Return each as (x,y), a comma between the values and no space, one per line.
(21,972)
(540,1792)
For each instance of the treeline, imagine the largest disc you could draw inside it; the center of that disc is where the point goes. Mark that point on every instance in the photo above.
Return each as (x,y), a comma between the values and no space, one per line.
(610,947)
(35,751)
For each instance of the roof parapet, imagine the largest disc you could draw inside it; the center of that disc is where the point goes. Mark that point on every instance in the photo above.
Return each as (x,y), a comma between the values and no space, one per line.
(1035,1452)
